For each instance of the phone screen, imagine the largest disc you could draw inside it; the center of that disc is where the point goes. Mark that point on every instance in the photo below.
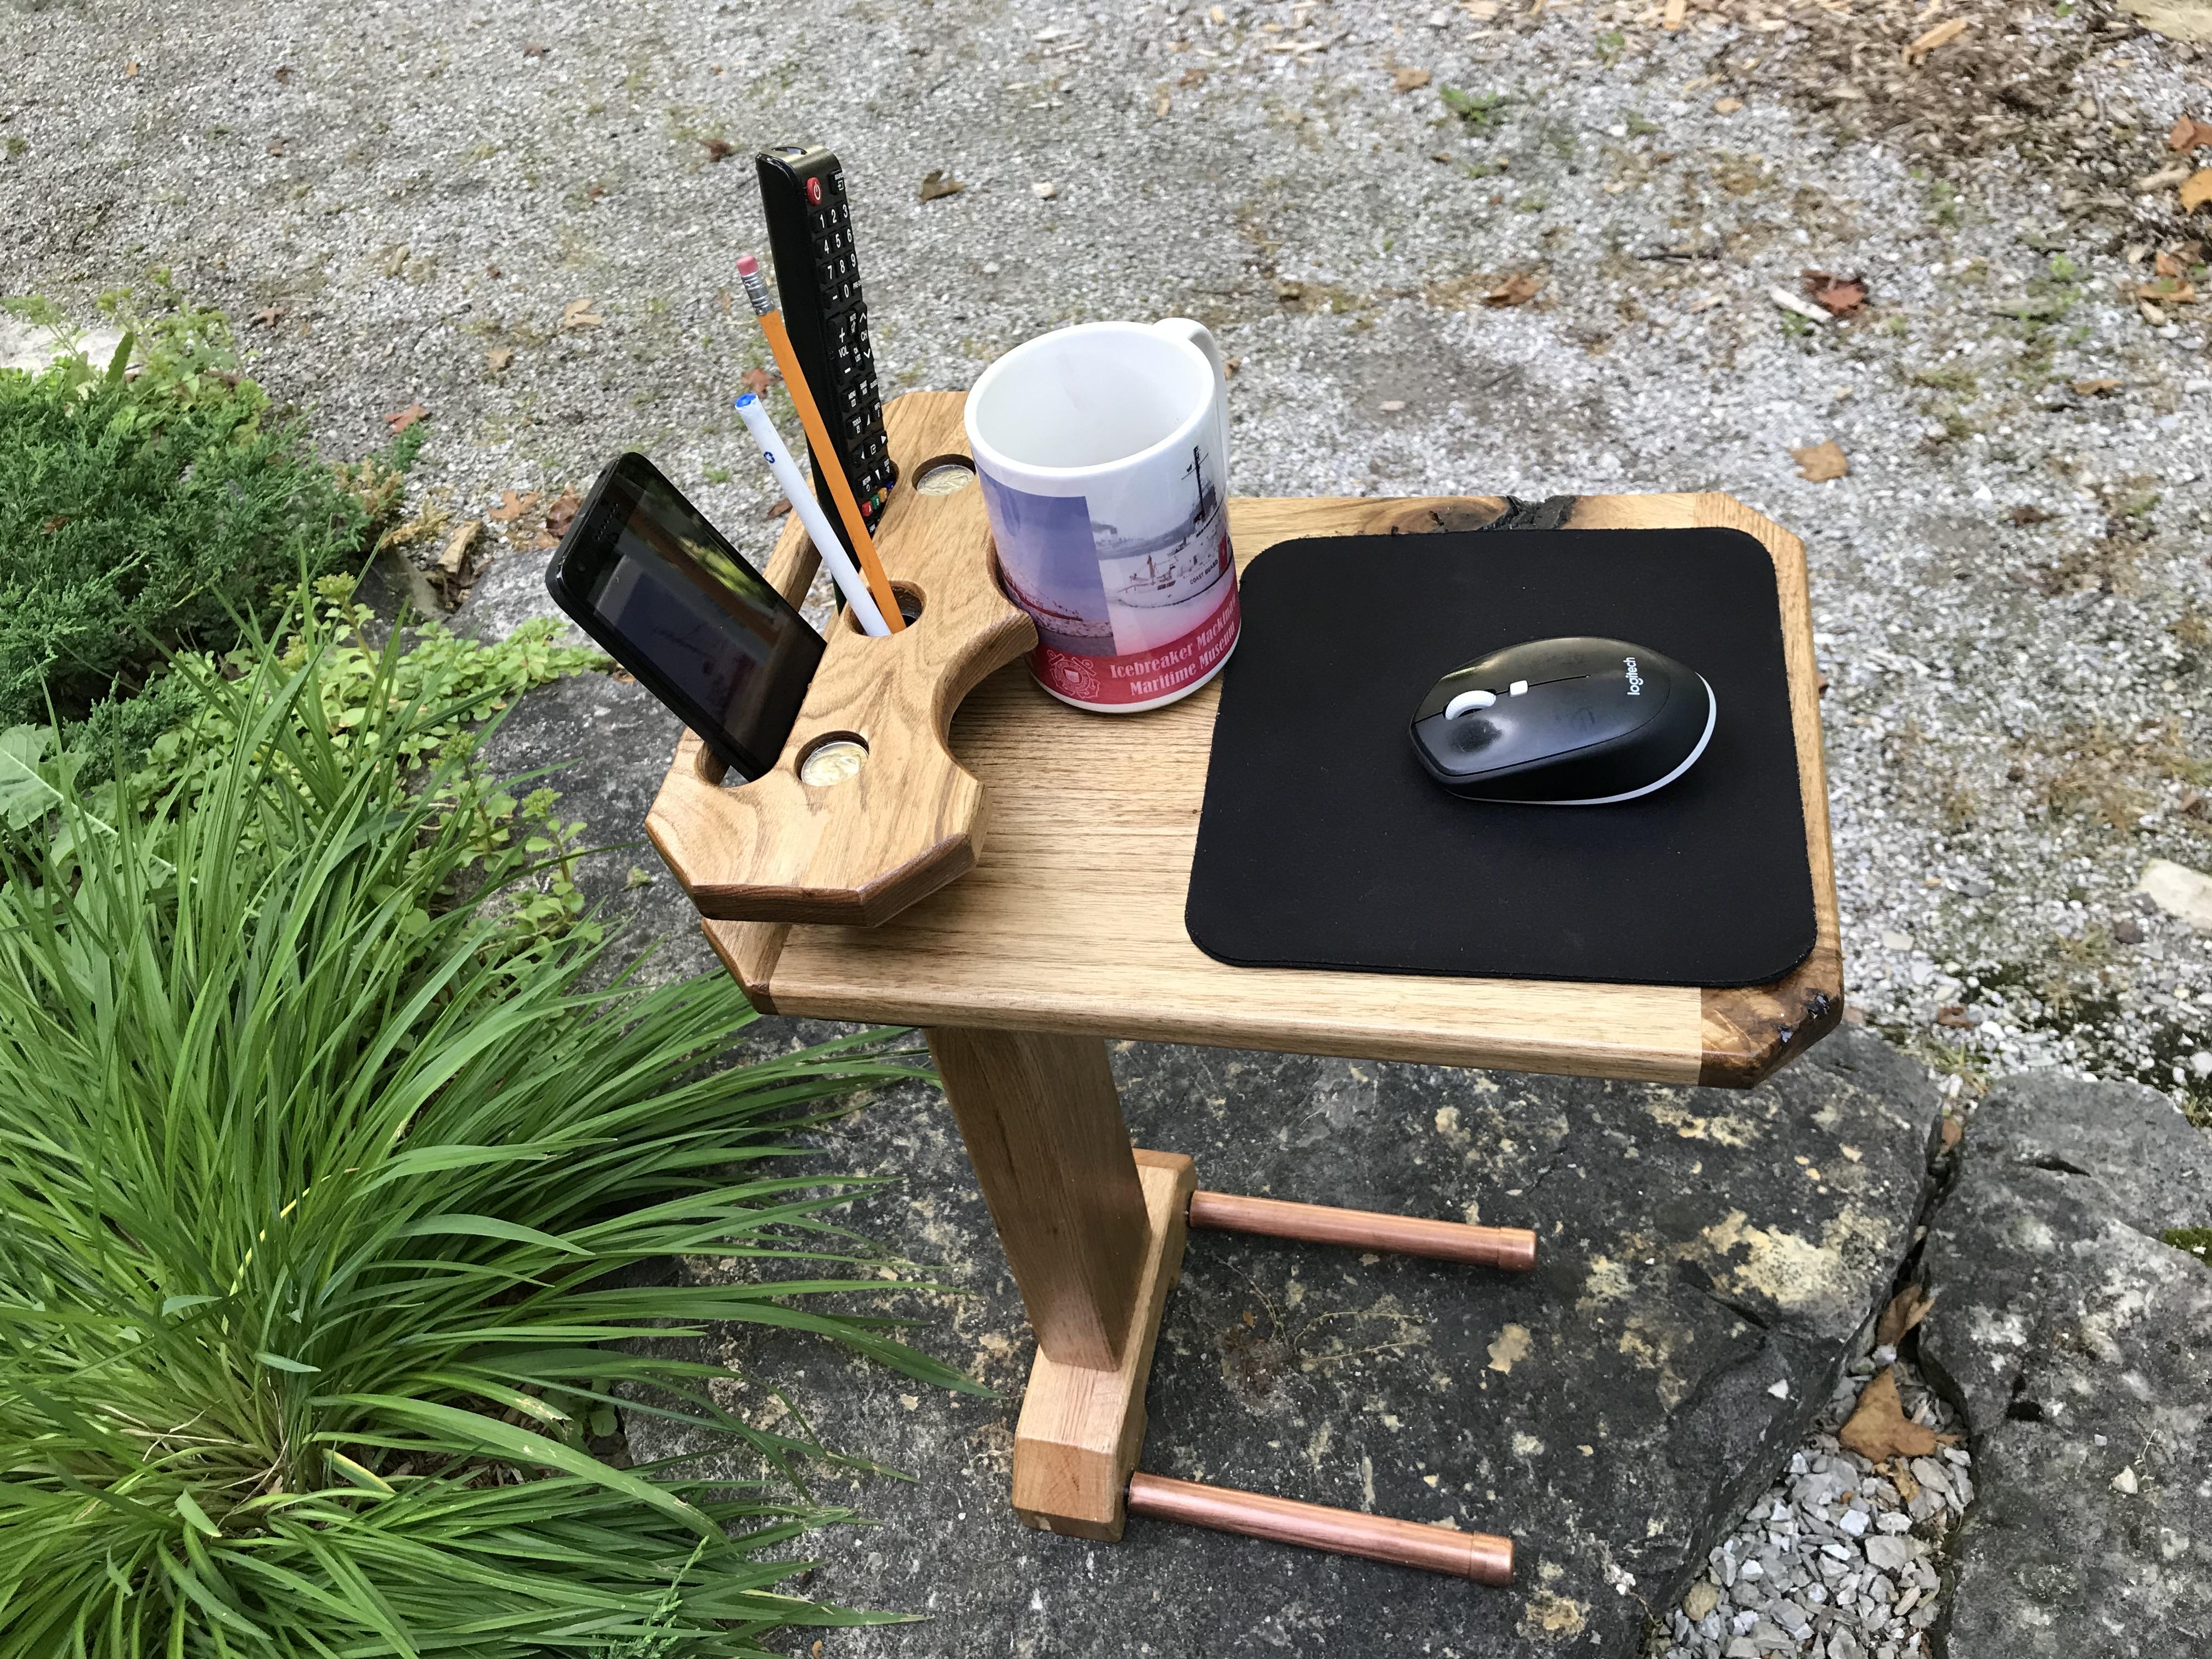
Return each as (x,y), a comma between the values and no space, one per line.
(668,587)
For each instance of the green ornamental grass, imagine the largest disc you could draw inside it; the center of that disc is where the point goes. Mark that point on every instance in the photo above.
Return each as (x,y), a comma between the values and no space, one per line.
(324,1196)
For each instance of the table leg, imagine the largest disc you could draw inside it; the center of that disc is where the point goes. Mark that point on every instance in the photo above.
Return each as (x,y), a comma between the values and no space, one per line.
(1044,1128)
(1094,1233)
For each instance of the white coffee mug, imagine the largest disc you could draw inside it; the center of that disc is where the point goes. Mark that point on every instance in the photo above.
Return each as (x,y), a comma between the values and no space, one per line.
(1103,451)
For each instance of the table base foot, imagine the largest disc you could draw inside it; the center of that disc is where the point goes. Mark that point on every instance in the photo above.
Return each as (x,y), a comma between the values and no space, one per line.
(1080,1429)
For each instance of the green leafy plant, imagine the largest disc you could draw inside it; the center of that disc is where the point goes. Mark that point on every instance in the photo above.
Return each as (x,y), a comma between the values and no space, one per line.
(360,682)
(152,502)
(1478,111)
(324,1213)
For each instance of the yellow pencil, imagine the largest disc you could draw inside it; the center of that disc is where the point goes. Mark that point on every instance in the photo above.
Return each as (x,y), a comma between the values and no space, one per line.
(817,434)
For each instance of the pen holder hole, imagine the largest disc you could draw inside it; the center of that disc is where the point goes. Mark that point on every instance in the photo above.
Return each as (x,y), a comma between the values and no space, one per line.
(909,605)
(834,758)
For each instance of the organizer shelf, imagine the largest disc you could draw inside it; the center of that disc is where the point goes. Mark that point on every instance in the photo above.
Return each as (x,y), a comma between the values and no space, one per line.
(1010,873)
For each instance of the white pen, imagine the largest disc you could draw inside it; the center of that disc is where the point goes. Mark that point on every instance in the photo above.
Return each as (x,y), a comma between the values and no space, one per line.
(847,577)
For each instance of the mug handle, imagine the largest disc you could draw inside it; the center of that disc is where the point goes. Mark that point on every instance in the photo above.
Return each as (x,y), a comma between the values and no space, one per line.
(1183,328)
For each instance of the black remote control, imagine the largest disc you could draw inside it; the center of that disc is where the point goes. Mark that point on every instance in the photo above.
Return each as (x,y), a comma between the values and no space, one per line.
(817,280)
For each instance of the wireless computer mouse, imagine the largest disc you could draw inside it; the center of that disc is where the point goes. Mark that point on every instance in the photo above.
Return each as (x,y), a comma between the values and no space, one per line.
(1571,722)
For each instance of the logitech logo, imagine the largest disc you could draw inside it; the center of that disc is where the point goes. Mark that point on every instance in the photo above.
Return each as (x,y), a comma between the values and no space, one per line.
(1635,680)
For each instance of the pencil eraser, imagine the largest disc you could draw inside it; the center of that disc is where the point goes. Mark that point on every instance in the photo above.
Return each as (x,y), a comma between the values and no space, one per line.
(747,264)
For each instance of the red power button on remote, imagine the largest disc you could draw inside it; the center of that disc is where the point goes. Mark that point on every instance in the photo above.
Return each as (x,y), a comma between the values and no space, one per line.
(814,189)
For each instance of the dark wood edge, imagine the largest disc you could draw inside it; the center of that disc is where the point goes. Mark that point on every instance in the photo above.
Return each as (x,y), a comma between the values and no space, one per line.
(1749,1031)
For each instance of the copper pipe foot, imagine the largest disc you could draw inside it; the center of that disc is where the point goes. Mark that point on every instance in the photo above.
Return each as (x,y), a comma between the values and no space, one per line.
(1513,1249)
(1480,1556)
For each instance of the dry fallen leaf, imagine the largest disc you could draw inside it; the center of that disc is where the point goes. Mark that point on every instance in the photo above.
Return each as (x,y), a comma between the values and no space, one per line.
(1821,462)
(563,513)
(2167,291)
(577,314)
(269,317)
(283,74)
(1515,290)
(512,506)
(2101,387)
(498,358)
(755,380)
(2166,265)
(2196,190)
(1839,296)
(1165,104)
(394,260)
(1879,1429)
(2189,133)
(454,556)
(1942,35)
(1675,12)
(778,507)
(1727,105)
(935,184)
(2028,512)
(1954,1014)
(718,148)
(400,419)
(276,144)
(1906,1310)
(1953,1131)
(1410,80)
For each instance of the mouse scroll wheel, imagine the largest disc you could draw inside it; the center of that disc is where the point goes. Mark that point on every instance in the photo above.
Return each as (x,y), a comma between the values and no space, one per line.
(1467,701)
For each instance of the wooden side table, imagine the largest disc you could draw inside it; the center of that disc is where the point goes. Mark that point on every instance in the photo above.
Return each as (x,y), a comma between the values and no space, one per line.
(873,902)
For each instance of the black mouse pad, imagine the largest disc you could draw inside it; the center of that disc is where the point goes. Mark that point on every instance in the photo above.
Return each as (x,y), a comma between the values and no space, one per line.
(1323,844)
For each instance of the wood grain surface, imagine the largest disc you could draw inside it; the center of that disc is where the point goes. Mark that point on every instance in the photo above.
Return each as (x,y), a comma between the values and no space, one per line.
(1082,1428)
(779,849)
(1074,921)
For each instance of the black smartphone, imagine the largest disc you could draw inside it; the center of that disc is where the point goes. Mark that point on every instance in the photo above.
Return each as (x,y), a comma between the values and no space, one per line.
(645,574)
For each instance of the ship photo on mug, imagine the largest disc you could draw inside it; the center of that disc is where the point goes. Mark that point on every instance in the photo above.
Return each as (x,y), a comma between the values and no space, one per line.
(1112,579)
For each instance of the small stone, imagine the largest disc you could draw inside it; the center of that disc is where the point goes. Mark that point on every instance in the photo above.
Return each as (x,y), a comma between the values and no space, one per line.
(1742,1647)
(1781,1390)
(1044,191)
(1704,1595)
(2178,890)
(1893,940)
(1889,1552)
(1894,1521)
(1852,1521)
(1391,406)
(2125,1481)
(2128,930)
(1844,1646)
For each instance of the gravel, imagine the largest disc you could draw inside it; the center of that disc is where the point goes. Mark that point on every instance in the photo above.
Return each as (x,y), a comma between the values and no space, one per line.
(1839,1560)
